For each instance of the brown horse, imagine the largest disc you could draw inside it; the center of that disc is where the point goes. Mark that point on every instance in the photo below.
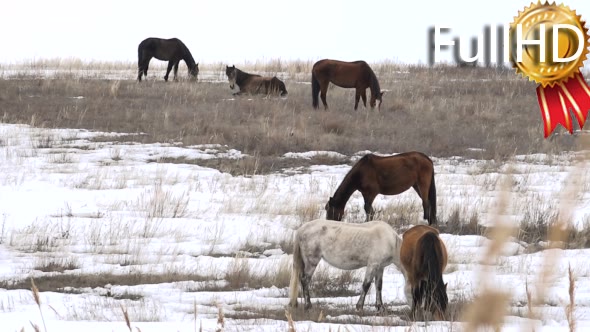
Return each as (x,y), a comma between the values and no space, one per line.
(254,84)
(424,258)
(171,50)
(355,74)
(391,175)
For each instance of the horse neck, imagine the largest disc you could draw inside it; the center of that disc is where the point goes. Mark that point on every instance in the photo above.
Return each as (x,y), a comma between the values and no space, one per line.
(374,85)
(241,77)
(188,57)
(346,188)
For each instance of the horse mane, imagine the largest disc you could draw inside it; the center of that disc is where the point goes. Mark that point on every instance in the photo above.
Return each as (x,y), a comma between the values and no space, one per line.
(241,76)
(374,83)
(186,55)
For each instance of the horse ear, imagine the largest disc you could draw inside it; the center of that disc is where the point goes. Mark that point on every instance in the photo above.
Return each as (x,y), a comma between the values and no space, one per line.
(234,66)
(197,64)
(382,93)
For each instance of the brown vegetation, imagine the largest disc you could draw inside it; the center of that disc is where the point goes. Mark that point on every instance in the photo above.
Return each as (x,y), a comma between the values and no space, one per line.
(440,111)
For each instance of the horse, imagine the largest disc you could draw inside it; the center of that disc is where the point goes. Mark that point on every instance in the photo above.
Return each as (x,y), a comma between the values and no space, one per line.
(171,50)
(424,258)
(355,74)
(344,246)
(254,84)
(390,175)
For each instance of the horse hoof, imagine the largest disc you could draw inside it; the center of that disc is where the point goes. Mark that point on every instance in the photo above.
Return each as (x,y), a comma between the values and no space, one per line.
(307,306)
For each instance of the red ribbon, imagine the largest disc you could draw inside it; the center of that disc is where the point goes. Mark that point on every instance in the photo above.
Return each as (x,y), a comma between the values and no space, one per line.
(556,101)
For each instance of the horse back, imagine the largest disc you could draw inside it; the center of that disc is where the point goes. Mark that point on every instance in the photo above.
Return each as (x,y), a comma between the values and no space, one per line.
(406,162)
(410,253)
(163,49)
(357,244)
(341,73)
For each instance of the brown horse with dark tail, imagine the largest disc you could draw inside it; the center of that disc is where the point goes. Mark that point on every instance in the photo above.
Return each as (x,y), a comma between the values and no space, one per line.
(424,258)
(171,50)
(390,175)
(355,74)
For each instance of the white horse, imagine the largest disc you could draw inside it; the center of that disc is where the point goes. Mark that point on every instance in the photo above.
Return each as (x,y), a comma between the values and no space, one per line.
(345,246)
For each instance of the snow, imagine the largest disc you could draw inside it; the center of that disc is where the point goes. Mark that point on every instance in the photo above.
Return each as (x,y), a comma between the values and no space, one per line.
(109,208)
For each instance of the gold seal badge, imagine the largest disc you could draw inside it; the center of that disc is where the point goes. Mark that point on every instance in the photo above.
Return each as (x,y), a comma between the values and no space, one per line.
(541,68)
(548,45)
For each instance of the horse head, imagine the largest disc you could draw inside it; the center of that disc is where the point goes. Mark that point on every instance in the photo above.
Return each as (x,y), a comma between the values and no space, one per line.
(333,212)
(379,97)
(194,71)
(231,75)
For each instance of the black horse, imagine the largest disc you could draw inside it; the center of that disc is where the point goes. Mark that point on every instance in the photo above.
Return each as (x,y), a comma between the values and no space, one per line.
(171,50)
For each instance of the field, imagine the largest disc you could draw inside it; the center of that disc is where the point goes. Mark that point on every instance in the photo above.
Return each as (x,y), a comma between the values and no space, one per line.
(171,206)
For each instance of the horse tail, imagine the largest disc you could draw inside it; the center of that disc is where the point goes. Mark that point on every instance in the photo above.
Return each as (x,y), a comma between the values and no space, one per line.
(140,60)
(298,266)
(430,248)
(432,201)
(315,91)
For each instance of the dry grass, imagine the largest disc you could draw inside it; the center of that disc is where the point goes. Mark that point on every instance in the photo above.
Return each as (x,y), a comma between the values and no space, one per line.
(422,111)
(67,281)
(56,264)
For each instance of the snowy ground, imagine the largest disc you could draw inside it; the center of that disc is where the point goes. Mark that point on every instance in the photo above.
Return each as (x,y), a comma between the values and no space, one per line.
(107,208)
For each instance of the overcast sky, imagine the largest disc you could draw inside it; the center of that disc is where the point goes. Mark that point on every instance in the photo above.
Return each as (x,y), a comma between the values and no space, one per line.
(246,30)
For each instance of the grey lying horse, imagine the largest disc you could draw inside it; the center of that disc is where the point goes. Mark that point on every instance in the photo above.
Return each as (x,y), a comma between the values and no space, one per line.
(345,246)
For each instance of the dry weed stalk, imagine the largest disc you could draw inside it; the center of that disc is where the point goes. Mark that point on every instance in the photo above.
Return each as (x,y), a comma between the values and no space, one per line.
(290,321)
(570,308)
(35,291)
(126,316)
(220,320)
(559,231)
(195,313)
(35,327)
(490,306)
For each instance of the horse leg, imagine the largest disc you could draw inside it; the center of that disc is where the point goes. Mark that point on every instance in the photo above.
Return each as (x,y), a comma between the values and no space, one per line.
(369,197)
(145,68)
(364,97)
(410,298)
(422,191)
(308,271)
(176,70)
(142,68)
(323,91)
(170,65)
(378,289)
(369,276)
(357,96)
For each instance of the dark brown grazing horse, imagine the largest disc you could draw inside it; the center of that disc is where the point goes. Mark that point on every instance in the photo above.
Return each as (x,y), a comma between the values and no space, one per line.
(355,74)
(391,175)
(171,50)
(424,258)
(254,84)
